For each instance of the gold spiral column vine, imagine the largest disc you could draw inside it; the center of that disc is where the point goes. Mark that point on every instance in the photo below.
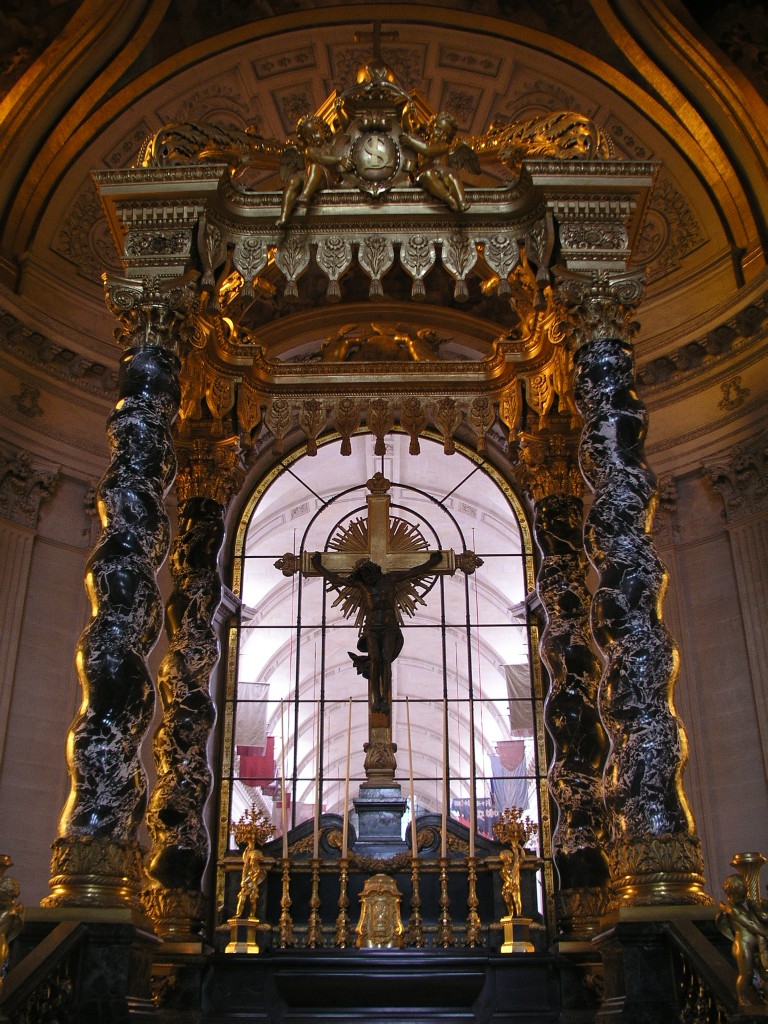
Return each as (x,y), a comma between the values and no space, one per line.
(210,474)
(550,473)
(655,854)
(96,858)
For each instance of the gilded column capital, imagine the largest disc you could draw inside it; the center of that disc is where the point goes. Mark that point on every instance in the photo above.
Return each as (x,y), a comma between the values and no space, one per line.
(155,312)
(210,468)
(548,463)
(601,304)
(741,479)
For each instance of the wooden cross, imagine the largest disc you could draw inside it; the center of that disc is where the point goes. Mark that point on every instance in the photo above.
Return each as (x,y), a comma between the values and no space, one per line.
(376,37)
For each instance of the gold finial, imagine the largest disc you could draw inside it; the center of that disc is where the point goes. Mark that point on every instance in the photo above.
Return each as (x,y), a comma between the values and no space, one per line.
(378,484)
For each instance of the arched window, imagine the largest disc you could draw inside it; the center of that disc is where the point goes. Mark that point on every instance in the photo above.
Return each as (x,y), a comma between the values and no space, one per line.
(469,651)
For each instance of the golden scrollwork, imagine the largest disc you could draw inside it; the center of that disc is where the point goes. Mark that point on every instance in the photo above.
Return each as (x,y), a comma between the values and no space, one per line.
(562,135)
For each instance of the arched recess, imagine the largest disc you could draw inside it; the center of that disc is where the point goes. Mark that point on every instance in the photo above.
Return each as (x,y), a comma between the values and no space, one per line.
(470,651)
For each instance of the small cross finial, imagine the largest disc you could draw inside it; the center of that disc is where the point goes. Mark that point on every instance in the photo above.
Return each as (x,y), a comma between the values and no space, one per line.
(376,37)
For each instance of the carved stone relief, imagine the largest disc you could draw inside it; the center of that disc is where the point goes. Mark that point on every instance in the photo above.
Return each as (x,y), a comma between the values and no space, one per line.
(407,61)
(24,484)
(83,238)
(670,233)
(58,361)
(718,344)
(741,479)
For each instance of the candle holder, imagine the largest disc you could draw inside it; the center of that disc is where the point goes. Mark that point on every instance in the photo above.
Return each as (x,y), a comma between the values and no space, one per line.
(314,925)
(287,938)
(472,936)
(414,935)
(444,936)
(342,921)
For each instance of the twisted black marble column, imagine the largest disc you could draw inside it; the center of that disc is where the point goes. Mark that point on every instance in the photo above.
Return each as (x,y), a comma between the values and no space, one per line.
(580,745)
(96,859)
(655,854)
(175,819)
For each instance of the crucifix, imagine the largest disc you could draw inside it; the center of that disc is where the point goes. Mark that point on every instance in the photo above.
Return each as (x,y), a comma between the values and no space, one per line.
(376,37)
(378,566)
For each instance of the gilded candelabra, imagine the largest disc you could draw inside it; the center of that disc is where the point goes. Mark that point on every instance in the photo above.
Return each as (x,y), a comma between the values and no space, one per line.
(11,915)
(513,829)
(251,829)
(743,918)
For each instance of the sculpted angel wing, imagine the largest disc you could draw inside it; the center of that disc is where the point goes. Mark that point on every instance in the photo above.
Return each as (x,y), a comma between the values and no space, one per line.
(463,156)
(291,161)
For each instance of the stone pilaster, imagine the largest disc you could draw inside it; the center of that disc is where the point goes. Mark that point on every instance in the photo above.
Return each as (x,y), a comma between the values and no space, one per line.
(655,852)
(24,484)
(210,473)
(96,859)
(741,479)
(548,461)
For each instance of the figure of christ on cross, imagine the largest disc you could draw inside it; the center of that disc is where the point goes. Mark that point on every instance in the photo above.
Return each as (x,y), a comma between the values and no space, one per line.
(381,638)
(377,583)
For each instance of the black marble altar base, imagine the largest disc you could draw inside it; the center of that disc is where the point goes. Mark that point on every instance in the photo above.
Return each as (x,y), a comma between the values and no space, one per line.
(641,981)
(108,965)
(392,986)
(380,812)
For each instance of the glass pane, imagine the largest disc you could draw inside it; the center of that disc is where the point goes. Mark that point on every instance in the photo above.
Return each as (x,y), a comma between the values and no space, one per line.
(468,638)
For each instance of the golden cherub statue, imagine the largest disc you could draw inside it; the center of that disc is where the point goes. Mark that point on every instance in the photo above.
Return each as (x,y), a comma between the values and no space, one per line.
(515,830)
(442,158)
(251,829)
(745,922)
(316,165)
